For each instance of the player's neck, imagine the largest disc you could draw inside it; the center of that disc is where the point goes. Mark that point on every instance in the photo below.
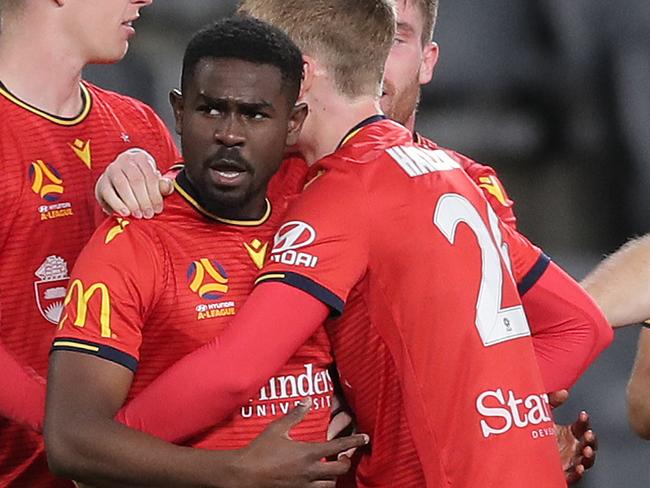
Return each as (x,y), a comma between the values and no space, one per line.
(410,123)
(41,69)
(330,119)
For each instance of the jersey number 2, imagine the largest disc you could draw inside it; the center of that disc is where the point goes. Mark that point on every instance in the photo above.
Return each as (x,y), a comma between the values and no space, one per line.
(494,324)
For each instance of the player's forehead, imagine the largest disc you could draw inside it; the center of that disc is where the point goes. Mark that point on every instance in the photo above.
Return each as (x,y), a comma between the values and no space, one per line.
(410,16)
(238,80)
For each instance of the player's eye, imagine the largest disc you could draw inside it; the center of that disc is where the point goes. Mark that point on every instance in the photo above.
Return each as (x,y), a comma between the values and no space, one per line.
(256,115)
(210,110)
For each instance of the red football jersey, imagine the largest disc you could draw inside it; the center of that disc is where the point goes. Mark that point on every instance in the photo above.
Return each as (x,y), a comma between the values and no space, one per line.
(51,165)
(485,178)
(147,293)
(433,349)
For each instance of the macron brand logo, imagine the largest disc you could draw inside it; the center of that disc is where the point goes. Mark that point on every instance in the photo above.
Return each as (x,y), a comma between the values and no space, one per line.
(292,236)
(417,161)
(504,411)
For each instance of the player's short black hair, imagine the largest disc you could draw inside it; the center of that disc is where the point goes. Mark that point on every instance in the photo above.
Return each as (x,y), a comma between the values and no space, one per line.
(246,38)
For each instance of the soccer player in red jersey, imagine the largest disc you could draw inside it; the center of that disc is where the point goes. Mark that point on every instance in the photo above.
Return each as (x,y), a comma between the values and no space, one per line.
(57,135)
(146,293)
(441,292)
(410,65)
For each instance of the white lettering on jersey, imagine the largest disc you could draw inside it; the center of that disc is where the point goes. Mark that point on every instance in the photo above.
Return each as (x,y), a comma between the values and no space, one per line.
(501,413)
(281,393)
(417,161)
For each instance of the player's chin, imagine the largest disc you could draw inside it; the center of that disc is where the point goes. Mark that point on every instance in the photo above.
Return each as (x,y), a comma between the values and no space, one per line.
(229,198)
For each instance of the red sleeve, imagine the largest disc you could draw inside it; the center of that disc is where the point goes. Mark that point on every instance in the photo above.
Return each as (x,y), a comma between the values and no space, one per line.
(568,329)
(22,393)
(275,321)
(322,248)
(113,287)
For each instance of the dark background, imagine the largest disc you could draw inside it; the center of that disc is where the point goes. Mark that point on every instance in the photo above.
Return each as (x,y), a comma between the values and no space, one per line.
(555,95)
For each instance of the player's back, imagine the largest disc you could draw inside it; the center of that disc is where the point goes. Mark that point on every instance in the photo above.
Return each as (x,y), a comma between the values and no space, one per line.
(433,346)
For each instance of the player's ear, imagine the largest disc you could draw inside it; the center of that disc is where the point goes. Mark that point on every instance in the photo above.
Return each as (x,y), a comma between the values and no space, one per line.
(429,61)
(297,118)
(309,69)
(176,101)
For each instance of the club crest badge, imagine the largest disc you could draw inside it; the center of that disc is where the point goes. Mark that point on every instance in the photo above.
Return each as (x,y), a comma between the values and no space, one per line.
(50,290)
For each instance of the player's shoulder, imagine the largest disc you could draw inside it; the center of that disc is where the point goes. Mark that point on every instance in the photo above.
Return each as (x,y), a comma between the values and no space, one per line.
(118,235)
(469,164)
(119,102)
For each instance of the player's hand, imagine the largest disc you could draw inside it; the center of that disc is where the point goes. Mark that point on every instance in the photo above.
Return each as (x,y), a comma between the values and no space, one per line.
(132,185)
(578,445)
(273,460)
(341,423)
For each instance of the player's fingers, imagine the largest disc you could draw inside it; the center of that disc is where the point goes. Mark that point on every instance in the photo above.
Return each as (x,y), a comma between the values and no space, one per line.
(326,470)
(107,197)
(166,186)
(340,422)
(323,484)
(138,186)
(579,427)
(122,187)
(557,398)
(336,446)
(575,475)
(152,179)
(589,439)
(285,424)
(588,457)
(348,454)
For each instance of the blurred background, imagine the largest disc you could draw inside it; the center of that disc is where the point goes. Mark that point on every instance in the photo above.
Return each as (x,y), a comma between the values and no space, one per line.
(555,95)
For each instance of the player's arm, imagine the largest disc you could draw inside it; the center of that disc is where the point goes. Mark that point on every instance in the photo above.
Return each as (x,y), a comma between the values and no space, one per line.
(620,283)
(282,312)
(85,443)
(567,327)
(273,323)
(638,389)
(22,392)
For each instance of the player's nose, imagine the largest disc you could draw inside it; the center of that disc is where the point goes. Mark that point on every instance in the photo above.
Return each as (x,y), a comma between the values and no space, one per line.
(229,132)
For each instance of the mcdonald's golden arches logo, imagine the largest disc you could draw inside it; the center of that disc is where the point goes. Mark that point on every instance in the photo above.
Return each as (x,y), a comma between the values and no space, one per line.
(96,291)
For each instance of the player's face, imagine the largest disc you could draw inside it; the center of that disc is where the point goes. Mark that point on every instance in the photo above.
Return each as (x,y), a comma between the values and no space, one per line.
(235,122)
(409,64)
(102,28)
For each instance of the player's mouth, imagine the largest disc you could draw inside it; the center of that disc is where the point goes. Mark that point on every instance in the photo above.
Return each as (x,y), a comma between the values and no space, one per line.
(127,25)
(228,173)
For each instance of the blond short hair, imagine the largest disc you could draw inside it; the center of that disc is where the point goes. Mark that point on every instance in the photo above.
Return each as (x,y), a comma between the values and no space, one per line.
(352,38)
(429,11)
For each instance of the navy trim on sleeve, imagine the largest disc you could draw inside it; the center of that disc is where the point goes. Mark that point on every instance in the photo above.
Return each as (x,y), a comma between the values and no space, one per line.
(335,303)
(100,350)
(535,273)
